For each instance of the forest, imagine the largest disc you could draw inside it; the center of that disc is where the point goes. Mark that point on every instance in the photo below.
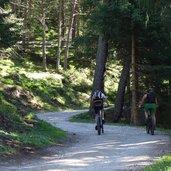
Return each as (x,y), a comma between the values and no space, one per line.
(54,54)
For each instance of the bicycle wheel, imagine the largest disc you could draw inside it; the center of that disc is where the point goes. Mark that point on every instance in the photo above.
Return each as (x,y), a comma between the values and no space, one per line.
(98,126)
(147,126)
(152,127)
(101,122)
(102,128)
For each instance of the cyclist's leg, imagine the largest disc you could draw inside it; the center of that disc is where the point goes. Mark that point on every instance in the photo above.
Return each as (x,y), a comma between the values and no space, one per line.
(96,116)
(146,109)
(154,114)
(103,119)
(154,120)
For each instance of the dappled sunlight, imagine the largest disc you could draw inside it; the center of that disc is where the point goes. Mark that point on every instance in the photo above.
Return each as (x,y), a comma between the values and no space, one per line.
(42,75)
(143,143)
(100,153)
(133,159)
(70,162)
(80,159)
(106,145)
(118,147)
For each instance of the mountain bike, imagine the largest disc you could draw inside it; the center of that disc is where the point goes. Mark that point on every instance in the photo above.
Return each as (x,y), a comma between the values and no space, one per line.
(100,128)
(149,123)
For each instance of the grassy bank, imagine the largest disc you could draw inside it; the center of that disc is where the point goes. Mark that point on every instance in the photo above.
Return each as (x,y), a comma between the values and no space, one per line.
(164,164)
(36,135)
(26,90)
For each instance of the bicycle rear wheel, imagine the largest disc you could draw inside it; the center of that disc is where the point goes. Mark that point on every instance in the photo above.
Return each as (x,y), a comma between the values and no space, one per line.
(98,126)
(152,127)
(147,125)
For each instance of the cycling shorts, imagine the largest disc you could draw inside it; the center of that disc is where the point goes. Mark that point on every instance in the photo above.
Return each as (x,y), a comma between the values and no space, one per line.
(150,106)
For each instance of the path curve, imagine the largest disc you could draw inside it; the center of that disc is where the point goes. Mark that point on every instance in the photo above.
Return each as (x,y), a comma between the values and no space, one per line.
(120,148)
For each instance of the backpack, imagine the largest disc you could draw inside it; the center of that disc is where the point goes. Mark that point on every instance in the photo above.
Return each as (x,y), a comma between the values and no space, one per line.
(150,97)
(97,100)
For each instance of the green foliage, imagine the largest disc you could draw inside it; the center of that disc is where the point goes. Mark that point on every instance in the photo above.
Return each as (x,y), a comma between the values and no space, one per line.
(83,117)
(9,32)
(9,119)
(155,54)
(6,150)
(164,164)
(87,118)
(110,19)
(41,136)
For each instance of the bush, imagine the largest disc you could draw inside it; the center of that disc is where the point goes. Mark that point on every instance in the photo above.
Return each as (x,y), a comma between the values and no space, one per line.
(8,116)
(164,114)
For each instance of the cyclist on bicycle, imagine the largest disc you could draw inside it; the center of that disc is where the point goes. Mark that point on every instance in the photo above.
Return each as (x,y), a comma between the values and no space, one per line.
(149,100)
(97,101)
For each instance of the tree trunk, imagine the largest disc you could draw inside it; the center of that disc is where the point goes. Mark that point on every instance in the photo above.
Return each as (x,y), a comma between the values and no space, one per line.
(44,37)
(69,35)
(59,36)
(101,58)
(29,22)
(25,18)
(121,90)
(134,114)
(63,19)
(78,20)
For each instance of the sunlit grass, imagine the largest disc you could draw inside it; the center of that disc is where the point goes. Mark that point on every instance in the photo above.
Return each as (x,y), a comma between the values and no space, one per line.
(86,118)
(42,135)
(83,118)
(40,91)
(164,164)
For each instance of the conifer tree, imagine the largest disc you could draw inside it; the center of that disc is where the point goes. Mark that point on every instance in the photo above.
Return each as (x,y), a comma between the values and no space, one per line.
(7,35)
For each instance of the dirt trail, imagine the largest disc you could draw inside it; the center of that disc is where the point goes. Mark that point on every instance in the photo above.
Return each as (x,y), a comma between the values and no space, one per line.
(120,148)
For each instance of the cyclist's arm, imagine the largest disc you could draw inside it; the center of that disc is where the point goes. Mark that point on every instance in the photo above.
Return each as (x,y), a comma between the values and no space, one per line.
(156,101)
(143,100)
(89,99)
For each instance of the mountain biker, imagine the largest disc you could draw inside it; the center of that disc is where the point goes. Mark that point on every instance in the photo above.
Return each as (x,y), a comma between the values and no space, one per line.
(97,103)
(150,102)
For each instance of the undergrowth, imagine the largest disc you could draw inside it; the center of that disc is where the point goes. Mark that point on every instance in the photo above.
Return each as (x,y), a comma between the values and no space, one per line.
(25,88)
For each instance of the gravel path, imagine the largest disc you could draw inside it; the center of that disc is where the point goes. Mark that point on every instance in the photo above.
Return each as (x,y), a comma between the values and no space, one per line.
(120,148)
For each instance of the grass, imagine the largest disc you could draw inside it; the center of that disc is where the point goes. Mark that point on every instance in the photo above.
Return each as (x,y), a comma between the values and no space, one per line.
(44,134)
(83,118)
(164,164)
(24,89)
(86,118)
(38,136)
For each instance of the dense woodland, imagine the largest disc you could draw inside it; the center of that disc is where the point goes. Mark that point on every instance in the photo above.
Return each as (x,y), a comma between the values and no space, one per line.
(125,41)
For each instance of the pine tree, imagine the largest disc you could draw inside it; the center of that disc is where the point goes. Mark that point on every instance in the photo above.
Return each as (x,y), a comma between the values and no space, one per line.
(8,36)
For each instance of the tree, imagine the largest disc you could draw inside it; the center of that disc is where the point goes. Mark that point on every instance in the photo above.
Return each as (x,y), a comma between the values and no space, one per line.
(9,33)
(101,58)
(123,81)
(40,8)
(134,114)
(69,35)
(44,27)
(59,35)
